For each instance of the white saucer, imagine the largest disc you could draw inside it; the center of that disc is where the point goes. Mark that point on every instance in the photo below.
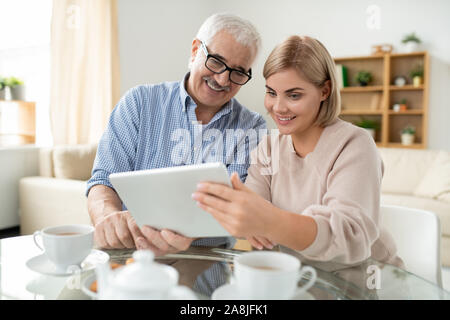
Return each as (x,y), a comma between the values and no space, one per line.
(86,286)
(229,292)
(42,265)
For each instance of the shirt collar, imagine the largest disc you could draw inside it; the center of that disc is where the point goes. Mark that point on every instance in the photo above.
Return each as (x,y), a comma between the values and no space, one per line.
(186,99)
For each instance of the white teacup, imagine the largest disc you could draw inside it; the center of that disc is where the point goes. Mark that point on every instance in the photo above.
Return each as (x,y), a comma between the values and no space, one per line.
(66,245)
(270,275)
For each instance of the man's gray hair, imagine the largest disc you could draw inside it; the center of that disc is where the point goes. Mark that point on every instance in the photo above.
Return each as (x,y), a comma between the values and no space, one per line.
(243,31)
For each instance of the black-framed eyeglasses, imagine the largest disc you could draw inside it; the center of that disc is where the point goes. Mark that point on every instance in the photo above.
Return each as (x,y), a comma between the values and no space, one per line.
(217,66)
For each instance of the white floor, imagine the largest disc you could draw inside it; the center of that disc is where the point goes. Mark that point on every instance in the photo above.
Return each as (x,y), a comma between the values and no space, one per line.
(446,278)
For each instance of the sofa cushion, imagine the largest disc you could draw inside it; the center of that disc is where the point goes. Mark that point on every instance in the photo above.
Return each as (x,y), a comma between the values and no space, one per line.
(404,168)
(436,181)
(74,162)
(46,202)
(441,209)
(445,197)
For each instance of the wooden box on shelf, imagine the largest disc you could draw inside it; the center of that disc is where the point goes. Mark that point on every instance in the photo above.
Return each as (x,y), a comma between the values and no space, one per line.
(376,100)
(17,123)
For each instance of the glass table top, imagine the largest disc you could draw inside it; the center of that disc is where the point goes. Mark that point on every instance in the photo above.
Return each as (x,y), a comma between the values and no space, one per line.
(204,270)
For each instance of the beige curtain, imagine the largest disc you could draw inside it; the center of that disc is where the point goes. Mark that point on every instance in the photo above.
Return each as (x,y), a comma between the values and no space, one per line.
(85,69)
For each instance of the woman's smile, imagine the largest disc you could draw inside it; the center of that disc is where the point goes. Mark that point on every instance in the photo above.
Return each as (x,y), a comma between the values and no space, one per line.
(284,120)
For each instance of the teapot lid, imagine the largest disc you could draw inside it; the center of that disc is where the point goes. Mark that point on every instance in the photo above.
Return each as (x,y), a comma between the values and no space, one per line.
(145,273)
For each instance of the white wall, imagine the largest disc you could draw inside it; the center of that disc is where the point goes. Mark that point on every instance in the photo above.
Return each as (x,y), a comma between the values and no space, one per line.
(155,38)
(15,163)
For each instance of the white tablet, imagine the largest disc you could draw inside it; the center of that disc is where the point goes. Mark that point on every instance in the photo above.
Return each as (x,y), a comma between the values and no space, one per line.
(162,198)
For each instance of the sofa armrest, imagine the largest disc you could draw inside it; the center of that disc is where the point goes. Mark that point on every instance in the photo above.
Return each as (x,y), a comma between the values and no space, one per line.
(46,162)
(48,202)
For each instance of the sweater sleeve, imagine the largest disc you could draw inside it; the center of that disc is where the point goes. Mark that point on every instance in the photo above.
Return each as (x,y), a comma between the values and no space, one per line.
(348,217)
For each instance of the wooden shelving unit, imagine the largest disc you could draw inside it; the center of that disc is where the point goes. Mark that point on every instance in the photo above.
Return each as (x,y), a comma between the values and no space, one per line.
(376,100)
(17,123)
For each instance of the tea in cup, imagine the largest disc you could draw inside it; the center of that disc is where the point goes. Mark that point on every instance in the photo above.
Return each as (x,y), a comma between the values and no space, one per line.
(269,275)
(66,245)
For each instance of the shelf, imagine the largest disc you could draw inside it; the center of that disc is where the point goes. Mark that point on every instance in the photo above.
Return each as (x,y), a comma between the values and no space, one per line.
(399,113)
(408,87)
(376,100)
(23,134)
(362,89)
(378,56)
(399,145)
(361,111)
(17,122)
(16,101)
(412,54)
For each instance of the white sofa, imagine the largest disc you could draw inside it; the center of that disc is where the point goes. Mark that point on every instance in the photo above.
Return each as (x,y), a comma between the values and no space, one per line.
(413,178)
(419,179)
(57,195)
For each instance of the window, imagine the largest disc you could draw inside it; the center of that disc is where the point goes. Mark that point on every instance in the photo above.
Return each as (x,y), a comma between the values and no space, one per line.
(25,53)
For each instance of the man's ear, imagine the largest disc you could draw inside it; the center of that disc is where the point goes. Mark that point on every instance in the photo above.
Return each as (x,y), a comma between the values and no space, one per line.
(194,48)
(326,90)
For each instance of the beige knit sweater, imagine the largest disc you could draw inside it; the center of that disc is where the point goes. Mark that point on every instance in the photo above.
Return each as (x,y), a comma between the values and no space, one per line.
(338,184)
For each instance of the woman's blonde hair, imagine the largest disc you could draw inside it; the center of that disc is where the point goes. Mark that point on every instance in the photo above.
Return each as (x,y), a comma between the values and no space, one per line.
(313,62)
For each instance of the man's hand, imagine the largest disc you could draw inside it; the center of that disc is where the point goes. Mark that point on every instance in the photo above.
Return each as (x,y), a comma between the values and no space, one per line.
(162,242)
(117,230)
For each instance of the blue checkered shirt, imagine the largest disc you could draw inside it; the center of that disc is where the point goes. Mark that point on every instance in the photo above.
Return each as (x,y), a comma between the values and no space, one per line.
(155,126)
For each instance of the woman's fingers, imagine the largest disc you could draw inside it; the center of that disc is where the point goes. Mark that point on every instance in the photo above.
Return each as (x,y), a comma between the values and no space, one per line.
(260,242)
(255,243)
(211,201)
(217,189)
(265,242)
(237,183)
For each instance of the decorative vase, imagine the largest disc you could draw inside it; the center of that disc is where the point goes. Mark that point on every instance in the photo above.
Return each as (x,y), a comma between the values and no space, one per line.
(407,139)
(411,46)
(17,92)
(417,81)
(363,83)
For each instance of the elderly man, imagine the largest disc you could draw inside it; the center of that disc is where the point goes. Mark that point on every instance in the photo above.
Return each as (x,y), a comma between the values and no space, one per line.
(151,124)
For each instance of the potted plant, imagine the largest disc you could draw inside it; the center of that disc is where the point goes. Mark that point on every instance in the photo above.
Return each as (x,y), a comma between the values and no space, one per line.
(411,42)
(363,78)
(2,88)
(408,134)
(417,75)
(16,87)
(370,125)
(402,105)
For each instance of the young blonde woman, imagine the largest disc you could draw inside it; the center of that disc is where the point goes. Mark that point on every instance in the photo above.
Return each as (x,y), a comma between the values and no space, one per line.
(315,188)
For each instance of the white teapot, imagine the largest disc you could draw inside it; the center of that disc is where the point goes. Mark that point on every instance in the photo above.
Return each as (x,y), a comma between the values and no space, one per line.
(142,280)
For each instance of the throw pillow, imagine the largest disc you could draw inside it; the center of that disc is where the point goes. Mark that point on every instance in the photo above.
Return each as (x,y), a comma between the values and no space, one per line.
(436,181)
(74,162)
